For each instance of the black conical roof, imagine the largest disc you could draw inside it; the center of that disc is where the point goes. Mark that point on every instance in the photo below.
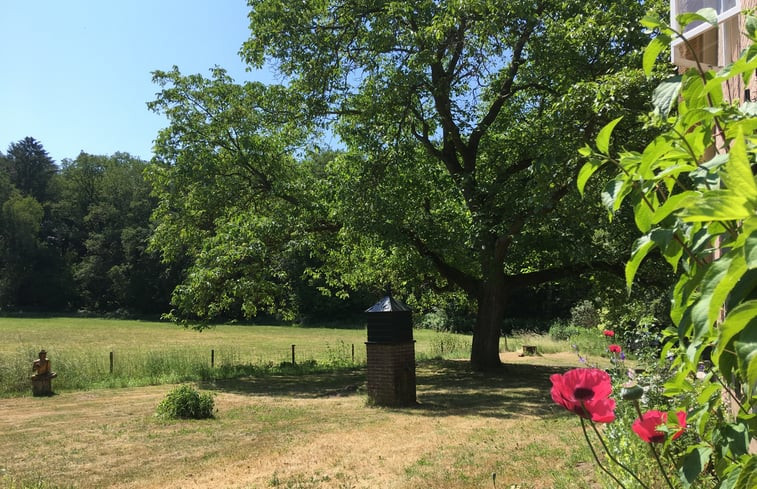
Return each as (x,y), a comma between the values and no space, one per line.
(388,304)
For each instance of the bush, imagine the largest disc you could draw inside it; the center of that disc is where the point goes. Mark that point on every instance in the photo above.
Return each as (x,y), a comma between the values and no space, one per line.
(436,320)
(184,402)
(559,331)
(585,314)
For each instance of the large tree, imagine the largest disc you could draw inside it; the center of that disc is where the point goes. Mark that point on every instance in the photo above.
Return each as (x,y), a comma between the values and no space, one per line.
(30,168)
(461,121)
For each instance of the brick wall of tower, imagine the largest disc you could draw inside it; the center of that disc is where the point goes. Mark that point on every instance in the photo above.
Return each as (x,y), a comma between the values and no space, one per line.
(390,373)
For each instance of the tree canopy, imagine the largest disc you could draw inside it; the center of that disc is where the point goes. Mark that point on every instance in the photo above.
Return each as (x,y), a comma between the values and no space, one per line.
(458,122)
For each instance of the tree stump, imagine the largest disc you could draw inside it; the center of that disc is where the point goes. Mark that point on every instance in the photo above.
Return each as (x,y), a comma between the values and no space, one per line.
(42,387)
(528,350)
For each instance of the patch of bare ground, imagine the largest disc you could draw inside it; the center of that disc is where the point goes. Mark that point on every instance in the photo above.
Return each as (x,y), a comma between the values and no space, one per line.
(306,432)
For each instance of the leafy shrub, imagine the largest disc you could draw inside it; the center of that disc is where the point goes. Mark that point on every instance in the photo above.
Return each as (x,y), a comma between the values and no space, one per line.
(185,402)
(585,314)
(447,319)
(563,332)
(436,320)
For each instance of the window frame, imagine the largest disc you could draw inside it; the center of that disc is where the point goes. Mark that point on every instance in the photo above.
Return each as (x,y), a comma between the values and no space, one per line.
(698,30)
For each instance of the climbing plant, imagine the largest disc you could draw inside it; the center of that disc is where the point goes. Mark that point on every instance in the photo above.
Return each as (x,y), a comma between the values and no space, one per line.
(694,199)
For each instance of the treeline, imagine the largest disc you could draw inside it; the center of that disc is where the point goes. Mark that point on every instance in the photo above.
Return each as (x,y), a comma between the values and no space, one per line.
(75,237)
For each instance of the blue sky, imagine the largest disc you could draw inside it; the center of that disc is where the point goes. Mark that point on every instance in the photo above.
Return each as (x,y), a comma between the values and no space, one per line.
(75,74)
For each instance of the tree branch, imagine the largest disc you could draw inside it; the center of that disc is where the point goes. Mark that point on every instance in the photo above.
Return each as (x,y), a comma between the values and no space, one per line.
(469,284)
(555,274)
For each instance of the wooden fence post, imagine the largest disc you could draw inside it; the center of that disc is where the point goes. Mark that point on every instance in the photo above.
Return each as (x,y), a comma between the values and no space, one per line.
(212,358)
(293,362)
(111,362)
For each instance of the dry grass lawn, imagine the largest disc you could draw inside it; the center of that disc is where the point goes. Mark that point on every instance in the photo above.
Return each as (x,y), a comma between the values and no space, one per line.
(306,432)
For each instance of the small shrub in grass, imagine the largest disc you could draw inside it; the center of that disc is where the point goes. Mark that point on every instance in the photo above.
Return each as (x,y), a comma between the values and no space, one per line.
(185,402)
(585,314)
(559,331)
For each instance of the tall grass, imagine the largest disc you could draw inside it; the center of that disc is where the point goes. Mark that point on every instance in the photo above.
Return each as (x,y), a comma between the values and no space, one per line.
(81,369)
(145,353)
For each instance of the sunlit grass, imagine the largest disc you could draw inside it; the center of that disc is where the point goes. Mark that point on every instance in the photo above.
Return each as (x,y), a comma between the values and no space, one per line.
(89,353)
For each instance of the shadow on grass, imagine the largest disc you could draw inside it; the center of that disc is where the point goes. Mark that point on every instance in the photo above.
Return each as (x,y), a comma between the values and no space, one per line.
(444,388)
(450,388)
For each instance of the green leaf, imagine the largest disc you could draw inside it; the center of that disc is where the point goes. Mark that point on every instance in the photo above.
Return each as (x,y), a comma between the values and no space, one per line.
(669,246)
(739,319)
(734,440)
(614,192)
(653,49)
(718,205)
(586,172)
(585,151)
(738,172)
(665,95)
(694,462)
(674,203)
(751,26)
(720,278)
(748,475)
(641,248)
(603,138)
(651,21)
(750,245)
(706,176)
(643,216)
(708,15)
(746,355)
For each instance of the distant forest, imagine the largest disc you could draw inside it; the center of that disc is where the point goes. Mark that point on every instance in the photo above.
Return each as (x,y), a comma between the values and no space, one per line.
(74,238)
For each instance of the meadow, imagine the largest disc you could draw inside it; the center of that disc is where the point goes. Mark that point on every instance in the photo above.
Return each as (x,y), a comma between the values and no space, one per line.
(277,426)
(90,353)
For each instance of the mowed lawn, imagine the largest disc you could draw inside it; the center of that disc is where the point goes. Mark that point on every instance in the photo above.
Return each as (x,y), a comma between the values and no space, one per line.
(292,431)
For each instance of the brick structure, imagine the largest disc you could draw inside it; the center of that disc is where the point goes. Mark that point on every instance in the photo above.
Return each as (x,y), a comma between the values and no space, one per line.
(390,375)
(390,354)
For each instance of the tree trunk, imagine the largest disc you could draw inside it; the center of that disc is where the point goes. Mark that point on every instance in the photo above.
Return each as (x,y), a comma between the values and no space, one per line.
(491,312)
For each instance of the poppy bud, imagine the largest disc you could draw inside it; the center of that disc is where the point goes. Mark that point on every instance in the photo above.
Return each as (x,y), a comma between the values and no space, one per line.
(631,392)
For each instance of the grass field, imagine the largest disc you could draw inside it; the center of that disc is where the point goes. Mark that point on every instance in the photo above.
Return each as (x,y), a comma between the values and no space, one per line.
(312,431)
(84,351)
(99,353)
(276,428)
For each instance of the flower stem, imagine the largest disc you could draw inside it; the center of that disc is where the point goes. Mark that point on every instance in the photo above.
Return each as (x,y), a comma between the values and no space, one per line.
(617,462)
(596,459)
(659,463)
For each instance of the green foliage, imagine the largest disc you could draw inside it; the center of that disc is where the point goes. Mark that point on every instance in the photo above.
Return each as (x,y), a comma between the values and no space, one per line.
(30,168)
(234,203)
(694,197)
(75,237)
(30,263)
(106,205)
(458,137)
(185,402)
(585,314)
(561,331)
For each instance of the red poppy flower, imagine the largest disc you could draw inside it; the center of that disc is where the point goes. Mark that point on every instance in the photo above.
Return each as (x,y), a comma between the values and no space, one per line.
(608,332)
(585,391)
(646,426)
(614,348)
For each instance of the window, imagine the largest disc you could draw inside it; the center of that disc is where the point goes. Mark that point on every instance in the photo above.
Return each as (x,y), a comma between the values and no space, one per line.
(710,45)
